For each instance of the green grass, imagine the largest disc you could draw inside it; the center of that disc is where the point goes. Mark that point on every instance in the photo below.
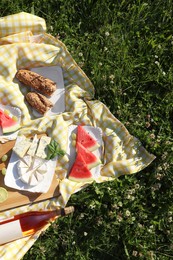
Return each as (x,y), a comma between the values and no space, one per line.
(126,49)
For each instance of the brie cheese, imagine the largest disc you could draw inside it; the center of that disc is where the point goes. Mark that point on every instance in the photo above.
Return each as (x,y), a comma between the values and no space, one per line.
(31,171)
(27,160)
(39,176)
(23,174)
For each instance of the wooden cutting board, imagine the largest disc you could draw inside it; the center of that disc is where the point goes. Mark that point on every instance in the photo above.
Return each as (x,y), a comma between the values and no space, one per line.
(17,198)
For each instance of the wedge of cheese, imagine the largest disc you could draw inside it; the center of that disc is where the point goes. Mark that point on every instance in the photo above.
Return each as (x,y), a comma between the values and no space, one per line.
(33,147)
(27,160)
(31,170)
(41,150)
(21,146)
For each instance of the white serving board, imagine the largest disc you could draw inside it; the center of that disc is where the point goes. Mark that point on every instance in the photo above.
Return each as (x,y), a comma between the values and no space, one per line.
(12,178)
(58,98)
(96,133)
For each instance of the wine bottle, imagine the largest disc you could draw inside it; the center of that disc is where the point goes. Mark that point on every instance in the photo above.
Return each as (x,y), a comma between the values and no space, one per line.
(28,223)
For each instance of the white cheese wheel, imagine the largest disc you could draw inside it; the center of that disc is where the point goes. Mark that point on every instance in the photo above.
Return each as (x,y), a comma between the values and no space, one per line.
(39,176)
(27,160)
(31,170)
(24,174)
(22,164)
(33,181)
(42,169)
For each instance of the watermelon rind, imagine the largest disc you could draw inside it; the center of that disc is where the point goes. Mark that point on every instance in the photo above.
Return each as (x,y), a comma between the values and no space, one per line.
(93,148)
(86,139)
(81,179)
(11,129)
(90,158)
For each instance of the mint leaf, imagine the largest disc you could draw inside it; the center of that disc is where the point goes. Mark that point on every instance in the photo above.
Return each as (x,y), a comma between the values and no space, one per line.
(54,149)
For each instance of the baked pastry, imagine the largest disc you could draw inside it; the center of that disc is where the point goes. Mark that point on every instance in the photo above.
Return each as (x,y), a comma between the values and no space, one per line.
(41,103)
(36,81)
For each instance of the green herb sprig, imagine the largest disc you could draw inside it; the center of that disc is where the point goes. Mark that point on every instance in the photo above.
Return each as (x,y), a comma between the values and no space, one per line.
(54,149)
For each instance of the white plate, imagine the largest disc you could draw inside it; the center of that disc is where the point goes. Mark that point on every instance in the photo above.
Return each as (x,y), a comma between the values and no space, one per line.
(96,133)
(12,178)
(14,111)
(58,98)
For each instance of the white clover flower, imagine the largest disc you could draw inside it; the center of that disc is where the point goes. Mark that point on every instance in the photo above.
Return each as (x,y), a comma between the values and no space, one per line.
(100,63)
(120,204)
(81,215)
(140,225)
(111,76)
(137,186)
(134,253)
(85,234)
(132,191)
(73,243)
(112,82)
(104,77)
(132,198)
(164,73)
(133,219)
(158,176)
(152,136)
(80,54)
(157,63)
(115,206)
(156,56)
(170,219)
(159,168)
(127,213)
(92,206)
(105,48)
(107,34)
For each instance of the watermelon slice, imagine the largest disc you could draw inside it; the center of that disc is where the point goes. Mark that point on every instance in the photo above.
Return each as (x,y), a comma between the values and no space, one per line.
(90,158)
(84,138)
(79,171)
(7,123)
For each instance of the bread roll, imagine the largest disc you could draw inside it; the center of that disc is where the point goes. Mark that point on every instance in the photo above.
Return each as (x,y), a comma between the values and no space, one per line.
(36,81)
(41,103)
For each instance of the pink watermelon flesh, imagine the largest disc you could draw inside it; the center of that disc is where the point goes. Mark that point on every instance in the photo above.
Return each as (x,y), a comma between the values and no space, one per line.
(7,123)
(79,171)
(84,138)
(90,159)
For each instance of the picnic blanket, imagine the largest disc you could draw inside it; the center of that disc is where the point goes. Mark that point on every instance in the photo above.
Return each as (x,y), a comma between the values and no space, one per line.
(24,43)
